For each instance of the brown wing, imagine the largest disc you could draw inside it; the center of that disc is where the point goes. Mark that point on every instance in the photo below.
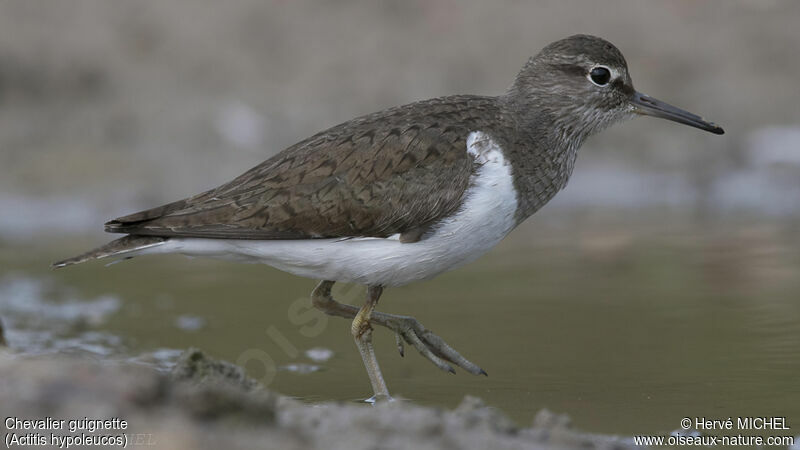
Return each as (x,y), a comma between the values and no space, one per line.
(396,171)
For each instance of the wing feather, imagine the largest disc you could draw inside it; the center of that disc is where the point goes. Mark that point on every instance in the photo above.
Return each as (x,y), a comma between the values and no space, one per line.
(395,171)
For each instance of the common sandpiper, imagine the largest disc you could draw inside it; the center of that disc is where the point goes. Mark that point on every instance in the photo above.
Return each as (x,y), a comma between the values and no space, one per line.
(406,193)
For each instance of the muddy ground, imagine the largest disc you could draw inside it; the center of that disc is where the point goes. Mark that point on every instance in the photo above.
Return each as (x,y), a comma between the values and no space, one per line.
(208,404)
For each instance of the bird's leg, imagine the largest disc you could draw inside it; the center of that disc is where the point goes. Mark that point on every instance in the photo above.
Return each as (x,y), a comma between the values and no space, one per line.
(362,333)
(406,329)
(322,299)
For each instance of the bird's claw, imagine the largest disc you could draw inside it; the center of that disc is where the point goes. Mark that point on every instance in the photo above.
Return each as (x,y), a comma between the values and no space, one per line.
(400,346)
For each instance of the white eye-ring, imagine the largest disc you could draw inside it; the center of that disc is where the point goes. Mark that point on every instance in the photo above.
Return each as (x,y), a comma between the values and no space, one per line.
(599,75)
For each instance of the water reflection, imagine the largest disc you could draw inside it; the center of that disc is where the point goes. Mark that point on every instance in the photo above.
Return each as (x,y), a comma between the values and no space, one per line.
(625,328)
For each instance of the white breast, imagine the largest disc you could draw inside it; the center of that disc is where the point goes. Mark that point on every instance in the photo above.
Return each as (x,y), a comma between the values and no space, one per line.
(485,218)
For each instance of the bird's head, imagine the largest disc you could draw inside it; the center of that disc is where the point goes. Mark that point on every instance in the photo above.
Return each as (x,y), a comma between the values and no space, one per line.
(582,83)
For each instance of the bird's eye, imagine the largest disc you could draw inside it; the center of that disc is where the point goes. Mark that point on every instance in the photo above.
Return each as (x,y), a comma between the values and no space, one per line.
(600,75)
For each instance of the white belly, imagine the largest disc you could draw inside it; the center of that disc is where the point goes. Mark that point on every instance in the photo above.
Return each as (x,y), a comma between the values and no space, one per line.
(485,218)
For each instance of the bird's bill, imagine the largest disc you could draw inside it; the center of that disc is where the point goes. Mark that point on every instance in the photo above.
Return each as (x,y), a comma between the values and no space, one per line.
(650,106)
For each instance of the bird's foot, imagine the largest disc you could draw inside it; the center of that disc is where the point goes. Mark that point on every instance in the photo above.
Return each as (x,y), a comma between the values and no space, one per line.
(406,328)
(379,399)
(430,345)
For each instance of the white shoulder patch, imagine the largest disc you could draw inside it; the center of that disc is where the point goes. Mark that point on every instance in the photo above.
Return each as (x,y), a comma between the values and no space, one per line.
(484,148)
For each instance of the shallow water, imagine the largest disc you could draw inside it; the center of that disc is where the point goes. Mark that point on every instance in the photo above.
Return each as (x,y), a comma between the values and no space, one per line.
(627,329)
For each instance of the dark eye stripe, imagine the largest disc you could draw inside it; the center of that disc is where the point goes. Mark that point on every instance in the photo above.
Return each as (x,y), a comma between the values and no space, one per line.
(571,69)
(620,85)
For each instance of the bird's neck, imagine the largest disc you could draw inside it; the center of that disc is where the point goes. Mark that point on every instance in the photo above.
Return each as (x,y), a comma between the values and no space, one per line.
(543,155)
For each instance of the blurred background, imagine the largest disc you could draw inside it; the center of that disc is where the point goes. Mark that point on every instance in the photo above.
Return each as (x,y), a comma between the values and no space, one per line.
(663,282)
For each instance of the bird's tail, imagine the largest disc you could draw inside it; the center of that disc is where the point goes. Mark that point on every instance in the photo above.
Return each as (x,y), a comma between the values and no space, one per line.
(122,246)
